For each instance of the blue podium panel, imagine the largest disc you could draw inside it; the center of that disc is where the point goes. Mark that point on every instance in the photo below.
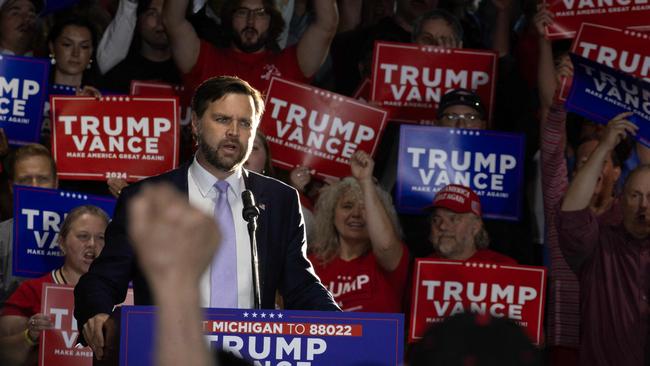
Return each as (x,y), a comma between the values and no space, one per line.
(279,337)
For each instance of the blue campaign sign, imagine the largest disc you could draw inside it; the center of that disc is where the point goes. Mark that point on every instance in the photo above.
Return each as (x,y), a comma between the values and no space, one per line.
(38,215)
(490,162)
(279,337)
(23,89)
(599,93)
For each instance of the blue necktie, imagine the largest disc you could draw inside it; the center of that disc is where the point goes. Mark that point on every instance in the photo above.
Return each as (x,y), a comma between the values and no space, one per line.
(223,271)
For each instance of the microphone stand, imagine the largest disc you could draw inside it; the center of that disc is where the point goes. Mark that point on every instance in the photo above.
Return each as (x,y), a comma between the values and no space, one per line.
(255,264)
(250,213)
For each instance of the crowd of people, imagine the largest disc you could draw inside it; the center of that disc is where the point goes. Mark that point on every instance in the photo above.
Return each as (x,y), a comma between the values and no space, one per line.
(586,215)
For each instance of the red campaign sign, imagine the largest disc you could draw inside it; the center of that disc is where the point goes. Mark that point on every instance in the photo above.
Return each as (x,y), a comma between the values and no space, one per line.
(114,137)
(157,89)
(58,346)
(442,288)
(319,129)
(621,49)
(408,80)
(570,14)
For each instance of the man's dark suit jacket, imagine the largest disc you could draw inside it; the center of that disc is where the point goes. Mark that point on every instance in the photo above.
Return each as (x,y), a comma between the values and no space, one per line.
(280,240)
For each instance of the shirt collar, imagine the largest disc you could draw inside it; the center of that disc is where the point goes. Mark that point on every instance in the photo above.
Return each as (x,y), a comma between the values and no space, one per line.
(205,181)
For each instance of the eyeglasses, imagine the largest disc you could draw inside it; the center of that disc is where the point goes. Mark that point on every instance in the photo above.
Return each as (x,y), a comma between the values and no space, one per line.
(244,13)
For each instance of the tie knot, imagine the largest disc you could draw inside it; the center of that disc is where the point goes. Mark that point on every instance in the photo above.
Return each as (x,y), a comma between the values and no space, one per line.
(221,186)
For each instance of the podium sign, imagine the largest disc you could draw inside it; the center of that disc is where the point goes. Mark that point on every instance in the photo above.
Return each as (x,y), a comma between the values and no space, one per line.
(442,288)
(279,337)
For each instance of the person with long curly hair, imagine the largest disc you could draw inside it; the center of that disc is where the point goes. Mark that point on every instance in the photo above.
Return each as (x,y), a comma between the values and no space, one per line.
(358,253)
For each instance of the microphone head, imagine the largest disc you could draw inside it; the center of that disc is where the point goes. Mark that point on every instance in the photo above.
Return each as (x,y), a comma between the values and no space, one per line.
(250,210)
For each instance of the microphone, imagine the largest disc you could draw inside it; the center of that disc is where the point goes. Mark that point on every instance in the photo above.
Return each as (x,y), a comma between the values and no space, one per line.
(250,210)
(250,214)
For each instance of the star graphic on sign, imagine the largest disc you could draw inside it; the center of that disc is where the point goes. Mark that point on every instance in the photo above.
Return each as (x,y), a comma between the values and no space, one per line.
(246,315)
(254,315)
(263,315)
(280,316)
(272,315)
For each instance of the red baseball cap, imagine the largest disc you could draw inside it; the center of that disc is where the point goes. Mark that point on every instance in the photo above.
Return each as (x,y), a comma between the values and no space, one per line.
(457,198)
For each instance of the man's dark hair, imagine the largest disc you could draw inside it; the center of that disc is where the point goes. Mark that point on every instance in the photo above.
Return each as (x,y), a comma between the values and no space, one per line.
(276,25)
(216,88)
(28,151)
(448,17)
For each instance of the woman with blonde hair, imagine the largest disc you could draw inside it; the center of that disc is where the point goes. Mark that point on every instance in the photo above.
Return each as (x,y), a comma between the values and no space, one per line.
(358,253)
(81,239)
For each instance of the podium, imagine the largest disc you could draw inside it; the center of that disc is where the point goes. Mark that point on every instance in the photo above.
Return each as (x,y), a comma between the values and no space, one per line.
(272,337)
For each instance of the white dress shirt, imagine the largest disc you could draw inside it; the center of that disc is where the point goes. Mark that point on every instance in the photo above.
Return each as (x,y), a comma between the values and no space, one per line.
(202,195)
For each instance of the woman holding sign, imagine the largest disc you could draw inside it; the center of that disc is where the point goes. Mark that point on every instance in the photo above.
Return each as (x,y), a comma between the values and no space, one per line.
(358,254)
(81,239)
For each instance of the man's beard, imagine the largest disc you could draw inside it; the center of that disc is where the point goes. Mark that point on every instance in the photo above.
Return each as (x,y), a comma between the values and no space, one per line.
(213,158)
(252,47)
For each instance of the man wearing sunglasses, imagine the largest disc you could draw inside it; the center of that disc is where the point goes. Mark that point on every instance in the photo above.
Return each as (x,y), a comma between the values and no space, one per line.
(253,28)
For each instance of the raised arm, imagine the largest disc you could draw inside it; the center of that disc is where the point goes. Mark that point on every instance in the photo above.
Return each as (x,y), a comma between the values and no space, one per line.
(582,187)
(501,37)
(184,41)
(385,242)
(116,41)
(546,80)
(314,45)
(175,244)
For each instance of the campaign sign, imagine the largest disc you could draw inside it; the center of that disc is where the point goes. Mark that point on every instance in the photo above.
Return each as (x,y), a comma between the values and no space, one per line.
(442,288)
(58,346)
(23,90)
(157,89)
(409,80)
(38,215)
(490,162)
(621,49)
(319,129)
(279,337)
(568,15)
(114,137)
(599,93)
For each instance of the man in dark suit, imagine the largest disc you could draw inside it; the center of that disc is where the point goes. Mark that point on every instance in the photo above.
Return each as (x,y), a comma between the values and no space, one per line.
(227,111)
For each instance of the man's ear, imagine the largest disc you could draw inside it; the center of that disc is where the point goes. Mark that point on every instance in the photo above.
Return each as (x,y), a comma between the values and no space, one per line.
(195,124)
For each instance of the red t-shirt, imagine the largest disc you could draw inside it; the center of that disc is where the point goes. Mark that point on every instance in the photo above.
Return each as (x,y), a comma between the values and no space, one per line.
(362,285)
(256,68)
(26,300)
(485,256)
